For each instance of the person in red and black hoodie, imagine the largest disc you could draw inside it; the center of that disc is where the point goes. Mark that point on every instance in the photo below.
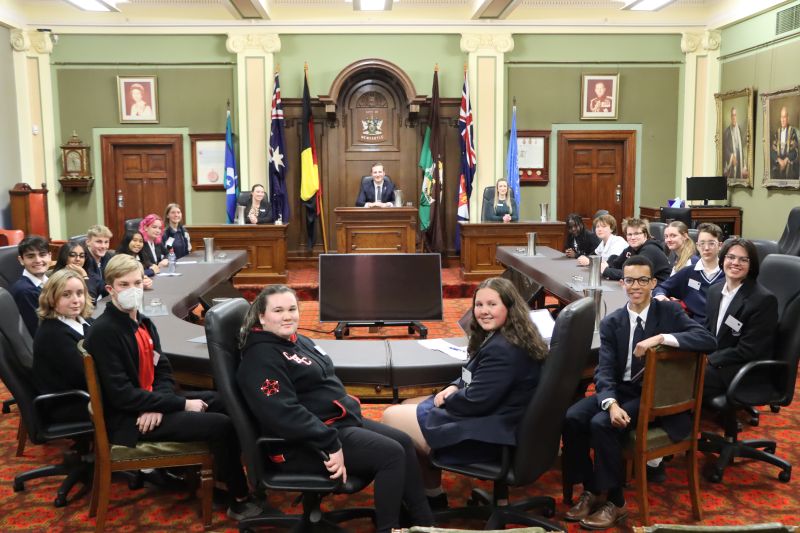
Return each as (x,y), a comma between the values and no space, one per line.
(290,386)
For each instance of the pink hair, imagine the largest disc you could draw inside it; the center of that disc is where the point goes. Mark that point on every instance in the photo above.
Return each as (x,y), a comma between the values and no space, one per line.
(146,223)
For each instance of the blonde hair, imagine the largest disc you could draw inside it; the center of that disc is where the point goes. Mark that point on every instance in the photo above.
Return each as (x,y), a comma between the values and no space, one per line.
(169,208)
(98,230)
(509,196)
(120,265)
(52,289)
(687,249)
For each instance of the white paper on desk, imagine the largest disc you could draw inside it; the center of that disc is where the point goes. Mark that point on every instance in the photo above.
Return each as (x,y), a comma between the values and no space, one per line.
(445,347)
(199,340)
(187,262)
(544,322)
(167,274)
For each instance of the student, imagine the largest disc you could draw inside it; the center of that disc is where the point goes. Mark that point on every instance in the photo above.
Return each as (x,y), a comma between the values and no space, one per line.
(473,417)
(292,390)
(681,247)
(175,233)
(605,227)
(690,285)
(637,233)
(72,255)
(601,421)
(98,238)
(742,314)
(579,240)
(151,229)
(34,256)
(133,244)
(139,390)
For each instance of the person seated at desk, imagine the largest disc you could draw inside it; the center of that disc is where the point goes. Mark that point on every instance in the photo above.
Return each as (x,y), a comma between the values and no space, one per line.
(580,241)
(472,418)
(291,388)
(637,232)
(139,395)
(601,421)
(742,314)
(257,210)
(690,285)
(34,256)
(133,244)
(176,235)
(98,238)
(379,192)
(151,228)
(72,255)
(605,227)
(65,309)
(503,208)
(682,251)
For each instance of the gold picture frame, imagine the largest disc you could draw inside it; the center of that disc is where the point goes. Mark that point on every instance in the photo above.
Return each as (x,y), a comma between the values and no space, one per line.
(781,172)
(735,127)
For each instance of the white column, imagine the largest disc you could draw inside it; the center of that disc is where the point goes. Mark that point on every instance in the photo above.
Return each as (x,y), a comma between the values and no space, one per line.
(487,83)
(255,63)
(36,126)
(701,80)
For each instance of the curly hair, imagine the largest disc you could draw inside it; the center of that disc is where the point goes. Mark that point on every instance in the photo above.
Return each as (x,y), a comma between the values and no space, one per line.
(517,329)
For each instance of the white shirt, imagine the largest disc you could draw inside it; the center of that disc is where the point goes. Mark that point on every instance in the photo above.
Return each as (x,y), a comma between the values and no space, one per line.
(614,246)
(725,303)
(152,246)
(707,275)
(76,324)
(36,281)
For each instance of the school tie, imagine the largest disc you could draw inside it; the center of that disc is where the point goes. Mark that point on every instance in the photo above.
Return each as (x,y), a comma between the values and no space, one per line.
(637,363)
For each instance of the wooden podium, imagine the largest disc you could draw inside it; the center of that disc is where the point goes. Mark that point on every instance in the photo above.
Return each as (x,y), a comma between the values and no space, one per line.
(29,210)
(479,243)
(376,230)
(265,245)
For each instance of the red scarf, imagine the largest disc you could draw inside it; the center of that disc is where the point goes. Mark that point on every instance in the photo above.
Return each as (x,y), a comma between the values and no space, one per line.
(146,358)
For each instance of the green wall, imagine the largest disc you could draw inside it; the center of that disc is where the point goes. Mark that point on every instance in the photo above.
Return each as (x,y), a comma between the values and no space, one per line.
(766,69)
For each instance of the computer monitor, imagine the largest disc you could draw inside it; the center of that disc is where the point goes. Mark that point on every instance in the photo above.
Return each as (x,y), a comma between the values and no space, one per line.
(706,188)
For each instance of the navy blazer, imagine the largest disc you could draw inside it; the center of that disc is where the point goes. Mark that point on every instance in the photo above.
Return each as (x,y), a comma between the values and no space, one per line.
(367,191)
(264,211)
(26,296)
(757,309)
(146,255)
(662,317)
(489,409)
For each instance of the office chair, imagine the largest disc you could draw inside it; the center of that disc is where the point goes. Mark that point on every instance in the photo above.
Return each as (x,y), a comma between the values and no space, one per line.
(670,214)
(10,269)
(657,231)
(244,198)
(222,327)
(693,233)
(131,225)
(789,243)
(488,200)
(539,431)
(767,382)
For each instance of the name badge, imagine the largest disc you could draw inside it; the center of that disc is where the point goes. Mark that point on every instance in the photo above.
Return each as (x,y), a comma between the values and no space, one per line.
(732,323)
(156,356)
(319,349)
(466,376)
(694,284)
(169,242)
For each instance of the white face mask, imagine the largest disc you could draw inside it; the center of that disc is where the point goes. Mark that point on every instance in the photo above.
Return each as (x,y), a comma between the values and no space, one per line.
(130,299)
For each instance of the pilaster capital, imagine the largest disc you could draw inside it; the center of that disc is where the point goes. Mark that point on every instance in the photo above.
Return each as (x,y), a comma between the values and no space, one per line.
(20,41)
(495,42)
(27,40)
(690,42)
(711,40)
(253,42)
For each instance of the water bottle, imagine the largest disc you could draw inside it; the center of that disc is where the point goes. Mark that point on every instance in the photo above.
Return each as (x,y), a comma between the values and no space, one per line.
(172,260)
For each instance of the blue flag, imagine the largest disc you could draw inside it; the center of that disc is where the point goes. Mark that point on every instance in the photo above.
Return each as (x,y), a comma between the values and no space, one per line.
(512,163)
(231,177)
(277,157)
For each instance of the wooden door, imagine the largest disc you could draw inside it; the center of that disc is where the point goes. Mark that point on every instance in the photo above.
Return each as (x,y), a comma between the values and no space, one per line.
(596,171)
(141,174)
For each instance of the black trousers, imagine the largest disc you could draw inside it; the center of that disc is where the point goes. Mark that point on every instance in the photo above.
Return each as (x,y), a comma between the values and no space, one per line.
(588,426)
(387,455)
(212,426)
(716,380)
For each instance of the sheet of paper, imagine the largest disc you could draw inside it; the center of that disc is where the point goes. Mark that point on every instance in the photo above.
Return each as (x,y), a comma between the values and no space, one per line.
(199,340)
(445,347)
(544,322)
(168,274)
(187,262)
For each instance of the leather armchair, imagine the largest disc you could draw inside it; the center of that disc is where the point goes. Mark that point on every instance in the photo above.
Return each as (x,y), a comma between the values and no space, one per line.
(10,269)
(488,198)
(788,244)
(657,231)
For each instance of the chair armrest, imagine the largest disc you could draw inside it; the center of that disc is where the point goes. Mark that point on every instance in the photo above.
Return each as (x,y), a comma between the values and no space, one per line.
(74,394)
(771,367)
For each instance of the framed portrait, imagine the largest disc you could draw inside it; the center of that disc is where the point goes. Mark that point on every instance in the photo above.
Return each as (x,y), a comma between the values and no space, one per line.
(599,96)
(208,161)
(734,137)
(138,99)
(533,153)
(781,138)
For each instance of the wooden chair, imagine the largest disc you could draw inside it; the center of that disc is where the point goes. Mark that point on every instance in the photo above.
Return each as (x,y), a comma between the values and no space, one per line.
(112,458)
(673,383)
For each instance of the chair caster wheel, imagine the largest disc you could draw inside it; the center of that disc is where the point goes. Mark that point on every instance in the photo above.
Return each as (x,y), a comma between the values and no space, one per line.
(773,408)
(715,477)
(60,501)
(784,476)
(753,422)
(19,486)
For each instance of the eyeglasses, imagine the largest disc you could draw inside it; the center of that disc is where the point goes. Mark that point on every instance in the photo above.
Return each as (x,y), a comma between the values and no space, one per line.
(643,281)
(74,255)
(635,234)
(707,244)
(736,259)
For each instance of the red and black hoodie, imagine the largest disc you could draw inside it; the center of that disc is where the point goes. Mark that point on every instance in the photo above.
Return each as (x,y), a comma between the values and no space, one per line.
(291,388)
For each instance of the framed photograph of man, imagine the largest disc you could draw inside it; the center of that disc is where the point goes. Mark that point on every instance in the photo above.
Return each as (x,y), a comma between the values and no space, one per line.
(781,138)
(138,99)
(599,96)
(734,137)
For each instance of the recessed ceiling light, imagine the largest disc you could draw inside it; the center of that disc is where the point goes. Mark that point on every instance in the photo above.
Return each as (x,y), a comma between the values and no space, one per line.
(372,5)
(646,5)
(94,5)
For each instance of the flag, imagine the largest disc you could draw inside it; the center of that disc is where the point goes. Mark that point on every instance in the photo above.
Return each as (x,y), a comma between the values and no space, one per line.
(468,160)
(309,169)
(277,157)
(231,178)
(430,162)
(512,162)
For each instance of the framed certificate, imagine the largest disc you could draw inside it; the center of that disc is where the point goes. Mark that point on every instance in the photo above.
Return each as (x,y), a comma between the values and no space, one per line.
(208,161)
(533,156)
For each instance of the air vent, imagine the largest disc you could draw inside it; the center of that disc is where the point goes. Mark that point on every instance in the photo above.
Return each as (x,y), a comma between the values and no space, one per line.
(787,20)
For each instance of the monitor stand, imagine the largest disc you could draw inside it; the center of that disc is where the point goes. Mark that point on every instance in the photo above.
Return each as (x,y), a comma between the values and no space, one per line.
(343,328)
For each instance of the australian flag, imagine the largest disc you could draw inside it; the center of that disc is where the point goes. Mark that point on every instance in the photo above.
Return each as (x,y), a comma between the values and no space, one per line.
(278,163)
(468,159)
(231,177)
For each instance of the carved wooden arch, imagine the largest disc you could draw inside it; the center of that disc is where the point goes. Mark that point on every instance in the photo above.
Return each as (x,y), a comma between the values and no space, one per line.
(391,70)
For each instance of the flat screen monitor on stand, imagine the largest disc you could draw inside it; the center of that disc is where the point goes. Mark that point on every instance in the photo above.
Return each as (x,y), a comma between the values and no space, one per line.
(706,188)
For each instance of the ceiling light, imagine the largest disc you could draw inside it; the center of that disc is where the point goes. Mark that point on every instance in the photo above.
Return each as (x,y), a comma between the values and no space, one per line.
(94,5)
(646,5)
(372,5)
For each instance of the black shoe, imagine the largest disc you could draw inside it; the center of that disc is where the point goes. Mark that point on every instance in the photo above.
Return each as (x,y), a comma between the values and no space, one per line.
(248,508)
(657,474)
(438,503)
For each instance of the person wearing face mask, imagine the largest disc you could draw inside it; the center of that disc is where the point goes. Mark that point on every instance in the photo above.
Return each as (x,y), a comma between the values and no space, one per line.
(151,229)
(139,389)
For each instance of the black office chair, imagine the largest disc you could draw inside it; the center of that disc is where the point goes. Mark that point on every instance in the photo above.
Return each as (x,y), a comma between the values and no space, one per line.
(789,243)
(670,214)
(222,327)
(488,202)
(539,432)
(763,382)
(131,225)
(15,372)
(10,268)
(693,233)
(244,198)
(657,231)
